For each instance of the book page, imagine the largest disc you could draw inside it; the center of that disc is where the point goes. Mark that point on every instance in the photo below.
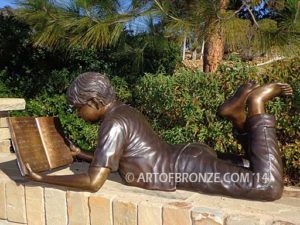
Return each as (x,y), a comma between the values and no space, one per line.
(28,144)
(57,150)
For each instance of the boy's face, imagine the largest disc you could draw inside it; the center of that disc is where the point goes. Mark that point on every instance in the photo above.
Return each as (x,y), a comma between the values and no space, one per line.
(90,112)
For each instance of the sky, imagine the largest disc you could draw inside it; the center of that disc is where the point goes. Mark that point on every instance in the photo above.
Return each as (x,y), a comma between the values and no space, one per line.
(6,2)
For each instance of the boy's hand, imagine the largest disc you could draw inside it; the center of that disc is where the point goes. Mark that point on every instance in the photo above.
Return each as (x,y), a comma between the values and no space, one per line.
(32,175)
(74,150)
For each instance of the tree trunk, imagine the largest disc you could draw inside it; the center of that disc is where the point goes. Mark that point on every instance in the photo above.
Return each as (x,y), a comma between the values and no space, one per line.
(213,47)
(183,48)
(223,5)
(194,55)
(202,49)
(214,43)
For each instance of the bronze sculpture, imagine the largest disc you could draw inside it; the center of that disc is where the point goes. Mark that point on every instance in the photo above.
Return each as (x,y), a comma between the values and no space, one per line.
(127,144)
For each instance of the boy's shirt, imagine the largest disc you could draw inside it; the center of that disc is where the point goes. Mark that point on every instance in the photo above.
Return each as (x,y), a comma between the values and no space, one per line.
(127,143)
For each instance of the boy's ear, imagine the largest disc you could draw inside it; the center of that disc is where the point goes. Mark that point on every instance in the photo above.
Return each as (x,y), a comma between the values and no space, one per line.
(94,103)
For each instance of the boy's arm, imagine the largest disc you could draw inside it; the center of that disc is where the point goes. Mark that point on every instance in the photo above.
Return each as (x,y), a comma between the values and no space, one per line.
(86,156)
(91,181)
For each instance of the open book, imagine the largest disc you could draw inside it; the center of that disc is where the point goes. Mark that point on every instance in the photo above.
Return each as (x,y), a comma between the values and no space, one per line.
(39,142)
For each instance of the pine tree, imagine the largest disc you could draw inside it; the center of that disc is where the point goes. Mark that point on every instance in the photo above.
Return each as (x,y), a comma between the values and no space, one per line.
(80,23)
(243,25)
(247,26)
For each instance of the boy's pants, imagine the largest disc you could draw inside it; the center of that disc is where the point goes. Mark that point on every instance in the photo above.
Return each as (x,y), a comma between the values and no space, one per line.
(210,174)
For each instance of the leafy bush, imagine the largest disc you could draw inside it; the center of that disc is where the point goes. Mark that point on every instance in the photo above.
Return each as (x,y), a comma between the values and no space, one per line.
(4,90)
(121,89)
(183,107)
(143,53)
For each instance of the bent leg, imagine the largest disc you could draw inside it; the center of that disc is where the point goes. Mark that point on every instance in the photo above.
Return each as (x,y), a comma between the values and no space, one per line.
(233,108)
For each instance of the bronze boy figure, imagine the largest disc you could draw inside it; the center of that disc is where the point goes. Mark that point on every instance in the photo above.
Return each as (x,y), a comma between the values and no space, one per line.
(127,143)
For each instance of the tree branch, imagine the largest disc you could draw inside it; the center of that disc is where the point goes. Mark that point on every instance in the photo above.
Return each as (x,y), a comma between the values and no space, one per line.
(252,16)
(297,13)
(236,12)
(162,9)
(271,61)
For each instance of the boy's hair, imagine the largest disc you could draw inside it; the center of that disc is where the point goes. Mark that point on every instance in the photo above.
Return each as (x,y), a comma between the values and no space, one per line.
(90,85)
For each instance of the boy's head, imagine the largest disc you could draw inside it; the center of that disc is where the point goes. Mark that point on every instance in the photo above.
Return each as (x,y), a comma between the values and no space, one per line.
(90,86)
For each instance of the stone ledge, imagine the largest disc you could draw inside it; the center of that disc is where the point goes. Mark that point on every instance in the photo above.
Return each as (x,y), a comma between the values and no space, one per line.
(117,203)
(5,145)
(3,122)
(9,104)
(4,134)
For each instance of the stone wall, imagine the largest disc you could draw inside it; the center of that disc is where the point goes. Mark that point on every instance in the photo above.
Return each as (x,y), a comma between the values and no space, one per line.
(5,142)
(25,202)
(32,203)
(6,105)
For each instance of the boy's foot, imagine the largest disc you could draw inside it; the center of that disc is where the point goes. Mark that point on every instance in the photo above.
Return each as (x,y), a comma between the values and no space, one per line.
(234,108)
(269,91)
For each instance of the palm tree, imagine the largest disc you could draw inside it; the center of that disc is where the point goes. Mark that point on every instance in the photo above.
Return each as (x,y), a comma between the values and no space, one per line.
(220,22)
